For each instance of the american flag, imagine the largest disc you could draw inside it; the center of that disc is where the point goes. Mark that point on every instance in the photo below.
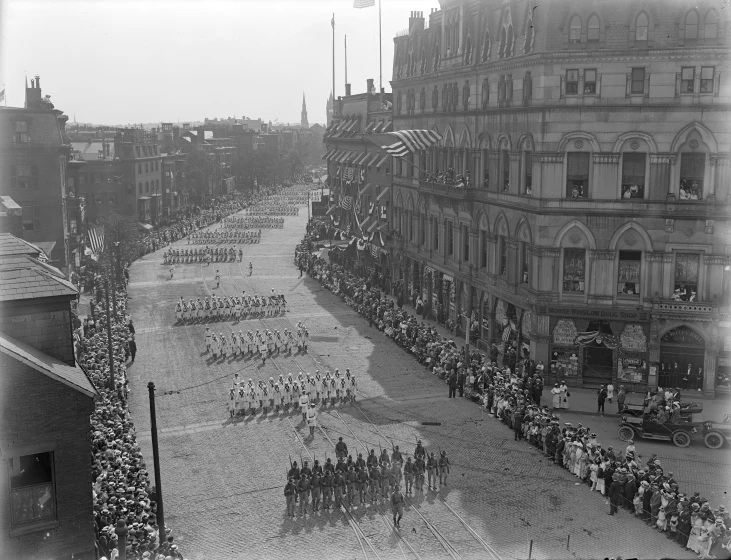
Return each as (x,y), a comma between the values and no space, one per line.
(404,142)
(363,3)
(96,239)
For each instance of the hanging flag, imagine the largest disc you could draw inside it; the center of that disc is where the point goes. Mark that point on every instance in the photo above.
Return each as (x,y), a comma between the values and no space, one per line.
(506,333)
(363,3)
(2,95)
(96,239)
(346,203)
(404,142)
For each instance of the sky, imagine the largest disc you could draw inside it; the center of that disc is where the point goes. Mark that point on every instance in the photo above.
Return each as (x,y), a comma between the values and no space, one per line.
(124,61)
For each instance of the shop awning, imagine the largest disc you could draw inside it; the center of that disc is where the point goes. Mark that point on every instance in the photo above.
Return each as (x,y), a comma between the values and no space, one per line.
(364,189)
(345,155)
(144,226)
(329,153)
(373,159)
(383,159)
(361,158)
(370,127)
(388,126)
(351,125)
(378,126)
(382,194)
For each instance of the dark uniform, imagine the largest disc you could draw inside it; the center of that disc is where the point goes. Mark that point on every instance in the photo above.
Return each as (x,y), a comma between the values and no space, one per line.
(327,488)
(289,493)
(375,480)
(316,490)
(419,468)
(362,483)
(304,491)
(409,475)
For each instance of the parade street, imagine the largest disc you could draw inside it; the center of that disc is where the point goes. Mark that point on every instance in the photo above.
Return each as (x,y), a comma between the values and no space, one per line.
(223,478)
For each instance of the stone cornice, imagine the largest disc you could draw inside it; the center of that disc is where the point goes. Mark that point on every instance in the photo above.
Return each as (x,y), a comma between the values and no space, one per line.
(659,159)
(602,255)
(659,257)
(719,260)
(606,158)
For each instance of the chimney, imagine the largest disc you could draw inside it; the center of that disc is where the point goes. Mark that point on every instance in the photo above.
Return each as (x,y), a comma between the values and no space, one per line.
(370,88)
(347,90)
(38,82)
(416,22)
(201,134)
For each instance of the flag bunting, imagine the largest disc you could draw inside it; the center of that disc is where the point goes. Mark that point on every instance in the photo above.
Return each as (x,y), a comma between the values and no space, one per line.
(403,142)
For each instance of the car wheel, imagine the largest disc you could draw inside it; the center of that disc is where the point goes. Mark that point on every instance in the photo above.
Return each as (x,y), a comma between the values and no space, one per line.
(713,440)
(681,438)
(626,433)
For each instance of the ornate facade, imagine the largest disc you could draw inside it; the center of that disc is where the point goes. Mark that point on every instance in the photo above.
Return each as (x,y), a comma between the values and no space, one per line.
(592,143)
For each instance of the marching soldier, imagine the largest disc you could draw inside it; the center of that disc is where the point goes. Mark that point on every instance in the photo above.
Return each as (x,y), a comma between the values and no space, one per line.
(409,475)
(431,469)
(289,494)
(419,451)
(362,482)
(419,468)
(374,477)
(304,491)
(338,486)
(316,488)
(341,449)
(327,487)
(218,278)
(352,481)
(397,506)
(385,481)
(395,475)
(396,457)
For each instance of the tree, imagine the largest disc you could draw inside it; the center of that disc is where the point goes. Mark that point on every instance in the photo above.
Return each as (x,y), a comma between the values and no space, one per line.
(121,241)
(199,174)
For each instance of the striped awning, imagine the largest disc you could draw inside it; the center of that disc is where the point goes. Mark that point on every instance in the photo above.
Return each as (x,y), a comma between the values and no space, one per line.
(329,153)
(361,158)
(373,159)
(382,193)
(335,155)
(346,155)
(370,127)
(388,126)
(383,159)
(364,189)
(352,124)
(378,127)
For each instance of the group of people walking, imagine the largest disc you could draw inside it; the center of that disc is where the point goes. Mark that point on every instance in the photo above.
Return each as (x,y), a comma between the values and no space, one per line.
(263,344)
(229,308)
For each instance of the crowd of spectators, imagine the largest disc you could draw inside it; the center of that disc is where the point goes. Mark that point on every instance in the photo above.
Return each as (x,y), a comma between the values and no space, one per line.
(449,178)
(512,391)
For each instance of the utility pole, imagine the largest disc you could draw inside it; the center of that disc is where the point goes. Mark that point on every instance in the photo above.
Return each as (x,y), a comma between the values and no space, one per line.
(112,382)
(156,460)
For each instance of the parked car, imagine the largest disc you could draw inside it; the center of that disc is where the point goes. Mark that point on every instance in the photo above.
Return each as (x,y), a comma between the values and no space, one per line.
(715,434)
(646,427)
(687,409)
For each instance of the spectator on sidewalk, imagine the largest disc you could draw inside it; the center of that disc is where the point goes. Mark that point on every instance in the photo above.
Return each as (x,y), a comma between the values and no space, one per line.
(564,395)
(453,385)
(621,396)
(601,396)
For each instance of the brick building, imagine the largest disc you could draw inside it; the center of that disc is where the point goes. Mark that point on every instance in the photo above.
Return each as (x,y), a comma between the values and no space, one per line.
(45,403)
(359,172)
(33,155)
(596,142)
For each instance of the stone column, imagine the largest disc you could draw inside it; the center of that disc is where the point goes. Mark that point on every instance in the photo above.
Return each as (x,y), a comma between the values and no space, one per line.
(721,165)
(661,177)
(602,281)
(461,28)
(548,273)
(604,177)
(493,167)
(514,172)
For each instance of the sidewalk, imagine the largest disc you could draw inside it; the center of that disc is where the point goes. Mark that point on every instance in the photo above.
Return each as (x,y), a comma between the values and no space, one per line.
(583,401)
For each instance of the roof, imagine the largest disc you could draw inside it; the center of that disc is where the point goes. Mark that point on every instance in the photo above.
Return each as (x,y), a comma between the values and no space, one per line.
(90,150)
(57,370)
(42,124)
(24,277)
(11,245)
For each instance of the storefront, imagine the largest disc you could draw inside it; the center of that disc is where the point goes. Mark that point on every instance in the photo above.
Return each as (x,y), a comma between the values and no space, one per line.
(682,355)
(723,366)
(565,352)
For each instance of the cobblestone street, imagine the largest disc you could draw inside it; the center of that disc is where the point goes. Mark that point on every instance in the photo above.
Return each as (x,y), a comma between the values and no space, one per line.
(223,479)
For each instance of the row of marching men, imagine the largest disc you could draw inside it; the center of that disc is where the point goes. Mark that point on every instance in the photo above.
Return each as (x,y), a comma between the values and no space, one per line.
(274,209)
(222,236)
(249,222)
(372,479)
(230,307)
(207,255)
(291,392)
(265,343)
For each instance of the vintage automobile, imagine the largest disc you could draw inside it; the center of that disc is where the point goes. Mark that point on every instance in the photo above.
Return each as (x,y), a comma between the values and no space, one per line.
(715,434)
(646,427)
(687,409)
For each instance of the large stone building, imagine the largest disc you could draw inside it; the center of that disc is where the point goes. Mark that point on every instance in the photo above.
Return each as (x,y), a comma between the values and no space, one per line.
(33,155)
(593,139)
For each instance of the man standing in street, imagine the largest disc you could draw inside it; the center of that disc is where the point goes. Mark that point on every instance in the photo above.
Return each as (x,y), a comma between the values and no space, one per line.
(289,491)
(132,348)
(621,396)
(615,494)
(397,506)
(518,424)
(453,385)
(461,378)
(601,396)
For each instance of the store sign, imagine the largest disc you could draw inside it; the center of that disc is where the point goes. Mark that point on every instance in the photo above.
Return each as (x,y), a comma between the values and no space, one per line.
(683,336)
(625,315)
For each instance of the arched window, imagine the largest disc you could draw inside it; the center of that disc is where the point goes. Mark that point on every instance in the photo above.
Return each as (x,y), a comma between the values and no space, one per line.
(711,27)
(509,44)
(485,56)
(641,27)
(501,54)
(592,31)
(575,30)
(528,47)
(691,25)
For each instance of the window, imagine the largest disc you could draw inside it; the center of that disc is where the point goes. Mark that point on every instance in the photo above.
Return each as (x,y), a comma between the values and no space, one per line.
(511,40)
(628,275)
(575,30)
(502,252)
(502,43)
(483,249)
(97,198)
(691,25)
(24,176)
(71,182)
(422,230)
(711,27)
(523,263)
(21,133)
(633,175)
(410,218)
(572,82)
(592,31)
(505,165)
(465,244)
(73,228)
(686,277)
(577,174)
(94,178)
(32,493)
(138,151)
(641,27)
(527,172)
(450,238)
(139,187)
(82,178)
(687,77)
(529,33)
(707,75)
(139,168)
(435,234)
(29,221)
(157,166)
(574,267)
(147,186)
(638,80)
(485,47)
(147,167)
(692,173)
(589,82)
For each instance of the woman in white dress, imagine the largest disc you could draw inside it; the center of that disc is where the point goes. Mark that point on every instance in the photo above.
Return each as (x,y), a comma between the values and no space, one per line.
(318,385)
(240,402)
(564,395)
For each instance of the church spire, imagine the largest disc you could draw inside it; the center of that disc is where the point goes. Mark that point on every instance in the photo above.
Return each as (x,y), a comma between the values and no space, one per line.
(304,122)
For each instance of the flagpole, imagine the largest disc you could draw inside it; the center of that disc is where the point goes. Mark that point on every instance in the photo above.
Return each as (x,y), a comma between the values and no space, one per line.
(380,53)
(333,26)
(346,63)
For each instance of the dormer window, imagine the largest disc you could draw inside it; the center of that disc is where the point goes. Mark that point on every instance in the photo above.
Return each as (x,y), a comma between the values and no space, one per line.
(20,135)
(575,30)
(641,27)
(592,31)
(691,25)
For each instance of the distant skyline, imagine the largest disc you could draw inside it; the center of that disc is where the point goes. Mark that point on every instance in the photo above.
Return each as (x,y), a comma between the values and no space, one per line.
(114,62)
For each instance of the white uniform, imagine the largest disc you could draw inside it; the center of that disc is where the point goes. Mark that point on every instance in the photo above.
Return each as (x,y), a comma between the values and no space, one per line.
(312,417)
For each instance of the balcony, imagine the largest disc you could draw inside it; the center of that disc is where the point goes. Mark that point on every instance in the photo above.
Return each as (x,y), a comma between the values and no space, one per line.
(684,310)
(442,189)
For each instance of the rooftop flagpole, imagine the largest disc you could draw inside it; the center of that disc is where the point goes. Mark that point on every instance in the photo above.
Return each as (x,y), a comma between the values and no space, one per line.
(332,22)
(346,62)
(380,52)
